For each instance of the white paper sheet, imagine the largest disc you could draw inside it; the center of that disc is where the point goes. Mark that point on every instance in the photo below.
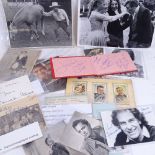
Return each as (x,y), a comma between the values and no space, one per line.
(15,89)
(20,136)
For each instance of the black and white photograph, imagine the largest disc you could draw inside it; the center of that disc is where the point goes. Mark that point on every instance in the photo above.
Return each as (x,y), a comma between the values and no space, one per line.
(42,72)
(20,118)
(116,23)
(18,62)
(137,57)
(93,51)
(85,134)
(36,23)
(129,126)
(100,92)
(49,144)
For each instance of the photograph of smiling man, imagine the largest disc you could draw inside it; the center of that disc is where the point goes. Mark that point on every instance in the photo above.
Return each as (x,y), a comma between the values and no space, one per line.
(134,126)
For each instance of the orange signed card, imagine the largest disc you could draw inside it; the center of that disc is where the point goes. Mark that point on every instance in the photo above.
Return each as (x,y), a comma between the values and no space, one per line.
(114,63)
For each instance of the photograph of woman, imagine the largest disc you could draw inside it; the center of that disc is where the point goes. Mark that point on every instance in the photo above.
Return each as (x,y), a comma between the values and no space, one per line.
(99,18)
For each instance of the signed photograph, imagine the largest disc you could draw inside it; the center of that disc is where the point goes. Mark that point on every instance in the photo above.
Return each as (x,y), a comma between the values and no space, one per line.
(36,23)
(116,23)
(42,72)
(129,126)
(49,144)
(86,135)
(17,62)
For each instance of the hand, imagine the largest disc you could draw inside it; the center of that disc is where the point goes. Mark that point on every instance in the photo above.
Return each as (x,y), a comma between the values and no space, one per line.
(68,23)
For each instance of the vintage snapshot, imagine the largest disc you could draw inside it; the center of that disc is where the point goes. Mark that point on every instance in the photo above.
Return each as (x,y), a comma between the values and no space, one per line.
(61,108)
(86,135)
(19,117)
(93,51)
(49,144)
(115,23)
(102,91)
(17,62)
(36,23)
(129,126)
(137,56)
(79,88)
(42,72)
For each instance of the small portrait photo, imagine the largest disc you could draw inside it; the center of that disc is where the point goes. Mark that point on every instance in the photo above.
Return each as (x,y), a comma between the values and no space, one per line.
(50,144)
(100,92)
(86,135)
(37,23)
(18,62)
(120,92)
(42,72)
(79,88)
(129,126)
(93,51)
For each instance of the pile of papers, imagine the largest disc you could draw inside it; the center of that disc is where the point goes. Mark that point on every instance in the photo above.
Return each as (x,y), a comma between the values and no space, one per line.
(90,97)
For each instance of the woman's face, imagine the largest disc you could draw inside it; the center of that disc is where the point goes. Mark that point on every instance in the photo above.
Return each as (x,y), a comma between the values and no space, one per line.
(114,5)
(102,6)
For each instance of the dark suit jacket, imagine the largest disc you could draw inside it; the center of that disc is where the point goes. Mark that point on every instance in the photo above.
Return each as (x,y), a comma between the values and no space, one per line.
(115,29)
(141,28)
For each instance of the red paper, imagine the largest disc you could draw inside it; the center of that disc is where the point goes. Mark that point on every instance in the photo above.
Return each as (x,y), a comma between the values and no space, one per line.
(114,63)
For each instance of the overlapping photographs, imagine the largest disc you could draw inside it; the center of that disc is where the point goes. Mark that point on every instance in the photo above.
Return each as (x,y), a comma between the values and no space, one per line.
(116,23)
(86,135)
(50,144)
(42,72)
(35,23)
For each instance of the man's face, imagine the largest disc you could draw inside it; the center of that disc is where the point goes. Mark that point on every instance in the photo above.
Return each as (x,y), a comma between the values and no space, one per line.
(83,129)
(129,124)
(114,5)
(40,72)
(100,90)
(78,89)
(120,91)
(130,9)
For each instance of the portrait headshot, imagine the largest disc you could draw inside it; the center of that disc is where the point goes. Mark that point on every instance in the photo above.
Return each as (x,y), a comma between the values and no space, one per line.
(86,135)
(83,127)
(99,93)
(80,89)
(134,127)
(120,92)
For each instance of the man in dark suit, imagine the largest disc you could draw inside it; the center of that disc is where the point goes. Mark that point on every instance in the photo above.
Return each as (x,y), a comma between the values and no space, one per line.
(141,28)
